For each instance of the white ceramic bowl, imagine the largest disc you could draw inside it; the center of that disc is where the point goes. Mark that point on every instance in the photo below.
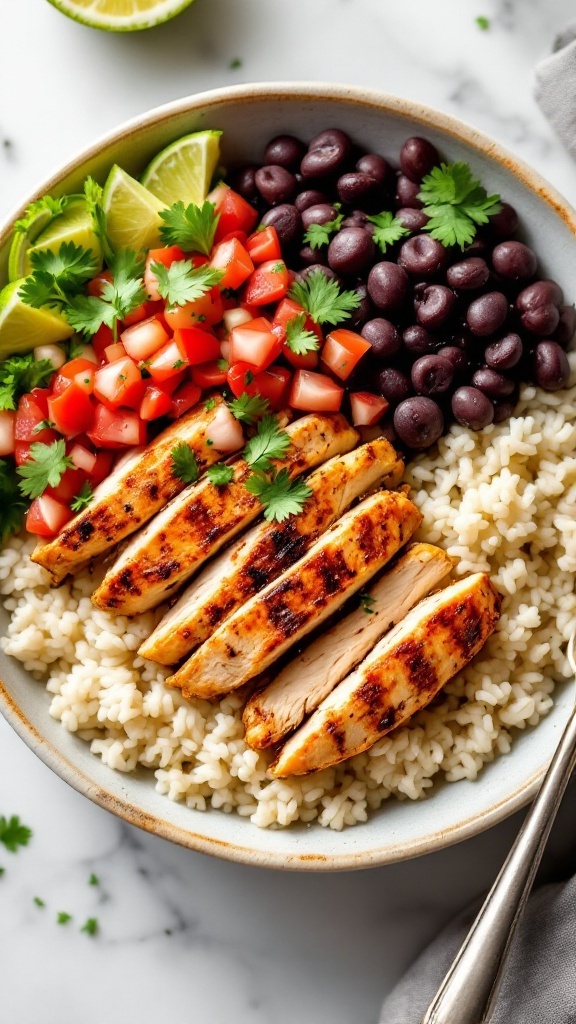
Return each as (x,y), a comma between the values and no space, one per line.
(249,116)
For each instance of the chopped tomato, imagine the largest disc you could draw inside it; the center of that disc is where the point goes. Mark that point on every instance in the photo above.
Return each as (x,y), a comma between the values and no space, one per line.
(80,371)
(156,402)
(167,362)
(274,384)
(70,484)
(118,383)
(314,392)
(206,310)
(286,311)
(101,340)
(139,313)
(102,467)
(268,283)
(241,379)
(185,398)
(342,350)
(117,428)
(241,236)
(264,245)
(144,339)
(46,516)
(235,213)
(367,408)
(114,352)
(231,257)
(96,286)
(166,256)
(208,375)
(32,410)
(196,346)
(71,411)
(82,458)
(254,343)
(7,424)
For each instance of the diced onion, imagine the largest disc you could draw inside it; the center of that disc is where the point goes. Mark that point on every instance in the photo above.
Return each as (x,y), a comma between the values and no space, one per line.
(225,431)
(54,353)
(235,317)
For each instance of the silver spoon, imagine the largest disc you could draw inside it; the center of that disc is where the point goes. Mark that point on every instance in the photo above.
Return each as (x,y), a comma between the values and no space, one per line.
(469,991)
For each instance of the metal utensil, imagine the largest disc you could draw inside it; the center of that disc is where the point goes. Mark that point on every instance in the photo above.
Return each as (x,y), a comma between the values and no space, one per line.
(469,991)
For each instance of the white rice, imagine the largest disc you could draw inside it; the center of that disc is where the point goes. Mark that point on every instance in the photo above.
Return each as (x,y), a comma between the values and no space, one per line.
(503,501)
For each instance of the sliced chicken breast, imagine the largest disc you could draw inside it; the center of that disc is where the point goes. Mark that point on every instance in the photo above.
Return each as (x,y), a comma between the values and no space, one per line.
(339,563)
(406,669)
(303,684)
(204,517)
(267,550)
(141,484)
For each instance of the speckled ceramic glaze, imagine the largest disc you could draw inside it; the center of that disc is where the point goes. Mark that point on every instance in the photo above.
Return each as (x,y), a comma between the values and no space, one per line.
(249,116)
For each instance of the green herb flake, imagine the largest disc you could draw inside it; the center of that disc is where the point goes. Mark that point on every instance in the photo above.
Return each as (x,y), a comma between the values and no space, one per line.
(63,917)
(367,603)
(483,22)
(91,926)
(235,63)
(93,880)
(39,902)
(13,833)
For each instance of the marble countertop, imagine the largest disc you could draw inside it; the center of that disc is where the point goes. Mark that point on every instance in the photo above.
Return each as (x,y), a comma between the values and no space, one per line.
(183,936)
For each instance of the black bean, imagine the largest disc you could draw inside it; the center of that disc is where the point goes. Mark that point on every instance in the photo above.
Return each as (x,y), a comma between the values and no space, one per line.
(309,256)
(468,274)
(456,357)
(287,221)
(330,274)
(407,193)
(504,223)
(487,313)
(374,165)
(243,181)
(566,326)
(351,251)
(328,153)
(310,197)
(275,184)
(320,213)
(365,311)
(472,408)
(356,188)
(418,341)
(383,336)
(431,375)
(388,285)
(285,150)
(412,219)
(492,383)
(357,219)
(394,385)
(504,353)
(514,260)
(539,293)
(435,306)
(503,410)
(418,422)
(543,320)
(478,247)
(551,366)
(418,157)
(422,256)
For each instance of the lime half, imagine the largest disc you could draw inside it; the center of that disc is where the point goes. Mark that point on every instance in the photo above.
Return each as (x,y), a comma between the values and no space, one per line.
(74,224)
(121,15)
(132,213)
(183,171)
(22,327)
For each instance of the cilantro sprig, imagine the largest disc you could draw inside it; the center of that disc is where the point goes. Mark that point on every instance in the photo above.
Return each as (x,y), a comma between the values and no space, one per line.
(298,339)
(45,468)
(387,229)
(13,833)
(21,374)
(57,276)
(269,442)
(191,227)
(184,464)
(248,408)
(94,196)
(46,205)
(83,498)
(220,474)
(318,235)
(182,282)
(280,496)
(87,313)
(326,302)
(455,203)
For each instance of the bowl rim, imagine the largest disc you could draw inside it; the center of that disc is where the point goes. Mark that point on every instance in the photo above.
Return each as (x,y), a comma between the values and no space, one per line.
(417,114)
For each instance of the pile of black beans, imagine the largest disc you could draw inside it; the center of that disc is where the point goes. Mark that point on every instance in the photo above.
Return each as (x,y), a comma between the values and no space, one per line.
(453,332)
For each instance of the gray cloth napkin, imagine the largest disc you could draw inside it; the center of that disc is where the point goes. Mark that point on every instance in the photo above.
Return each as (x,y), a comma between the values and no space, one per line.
(539,986)
(555,88)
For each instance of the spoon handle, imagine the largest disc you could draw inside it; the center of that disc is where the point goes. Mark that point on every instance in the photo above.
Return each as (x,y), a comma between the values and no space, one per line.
(469,991)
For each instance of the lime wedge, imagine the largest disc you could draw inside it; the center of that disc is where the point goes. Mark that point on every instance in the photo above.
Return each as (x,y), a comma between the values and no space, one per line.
(74,224)
(22,327)
(184,170)
(121,15)
(132,213)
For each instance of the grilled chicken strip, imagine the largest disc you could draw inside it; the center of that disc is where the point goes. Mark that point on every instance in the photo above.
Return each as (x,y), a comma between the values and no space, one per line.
(204,517)
(267,550)
(140,485)
(339,563)
(303,684)
(406,669)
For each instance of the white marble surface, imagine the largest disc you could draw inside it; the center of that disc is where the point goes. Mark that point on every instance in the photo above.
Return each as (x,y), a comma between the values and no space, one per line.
(184,937)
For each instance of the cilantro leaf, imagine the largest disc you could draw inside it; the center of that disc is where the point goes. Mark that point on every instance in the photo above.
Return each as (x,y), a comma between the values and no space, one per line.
(51,207)
(87,313)
(220,474)
(182,282)
(83,498)
(45,468)
(318,235)
(12,508)
(90,926)
(366,603)
(13,833)
(209,404)
(39,902)
(269,442)
(387,229)
(93,880)
(184,464)
(280,496)
(483,22)
(19,375)
(57,276)
(119,297)
(323,299)
(298,339)
(191,227)
(94,195)
(248,408)
(63,917)
(455,203)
